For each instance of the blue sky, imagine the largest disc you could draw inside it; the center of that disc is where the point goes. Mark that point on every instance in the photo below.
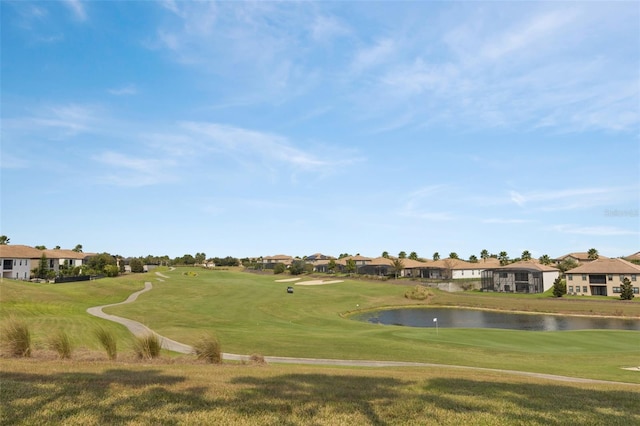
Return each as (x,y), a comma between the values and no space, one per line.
(251,129)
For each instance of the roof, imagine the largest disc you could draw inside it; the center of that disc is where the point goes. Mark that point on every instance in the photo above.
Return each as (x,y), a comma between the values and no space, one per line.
(66,254)
(634,256)
(607,266)
(581,256)
(458,264)
(528,265)
(14,251)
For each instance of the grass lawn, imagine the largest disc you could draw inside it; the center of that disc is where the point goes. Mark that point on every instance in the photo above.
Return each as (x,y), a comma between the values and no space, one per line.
(252,313)
(100,393)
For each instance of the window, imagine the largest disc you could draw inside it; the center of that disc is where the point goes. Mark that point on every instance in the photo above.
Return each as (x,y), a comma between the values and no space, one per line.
(577,289)
(633,277)
(570,289)
(610,277)
(522,276)
(20,262)
(636,290)
(570,277)
(616,289)
(584,277)
(584,289)
(503,275)
(621,277)
(14,262)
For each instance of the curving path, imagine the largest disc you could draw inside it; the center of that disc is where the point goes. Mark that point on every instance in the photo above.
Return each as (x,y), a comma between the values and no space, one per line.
(139,329)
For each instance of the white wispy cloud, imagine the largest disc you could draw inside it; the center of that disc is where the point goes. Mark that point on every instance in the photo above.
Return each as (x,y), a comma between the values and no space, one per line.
(134,171)
(570,199)
(596,231)
(371,56)
(77,8)
(261,146)
(507,221)
(326,28)
(129,89)
(509,74)
(62,120)
(419,204)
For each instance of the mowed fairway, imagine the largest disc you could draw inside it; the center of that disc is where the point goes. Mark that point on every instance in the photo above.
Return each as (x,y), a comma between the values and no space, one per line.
(254,314)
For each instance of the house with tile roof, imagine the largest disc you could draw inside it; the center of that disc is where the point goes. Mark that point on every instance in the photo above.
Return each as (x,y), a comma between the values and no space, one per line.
(526,276)
(578,257)
(19,260)
(602,277)
(269,262)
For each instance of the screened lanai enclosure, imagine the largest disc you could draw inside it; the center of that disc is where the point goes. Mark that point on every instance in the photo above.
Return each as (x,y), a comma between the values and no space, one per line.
(512,281)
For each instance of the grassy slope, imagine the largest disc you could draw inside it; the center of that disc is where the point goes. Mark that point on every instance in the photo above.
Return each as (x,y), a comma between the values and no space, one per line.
(49,307)
(253,314)
(51,393)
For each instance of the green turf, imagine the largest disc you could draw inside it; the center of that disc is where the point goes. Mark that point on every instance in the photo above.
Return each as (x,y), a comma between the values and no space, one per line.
(254,314)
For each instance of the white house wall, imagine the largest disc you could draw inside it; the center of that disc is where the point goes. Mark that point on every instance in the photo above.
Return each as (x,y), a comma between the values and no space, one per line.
(20,270)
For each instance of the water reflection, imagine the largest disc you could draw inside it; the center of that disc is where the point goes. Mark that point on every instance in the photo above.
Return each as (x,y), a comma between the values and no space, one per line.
(470,318)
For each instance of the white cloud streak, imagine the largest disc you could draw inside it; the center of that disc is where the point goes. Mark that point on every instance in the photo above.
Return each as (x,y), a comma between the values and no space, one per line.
(77,8)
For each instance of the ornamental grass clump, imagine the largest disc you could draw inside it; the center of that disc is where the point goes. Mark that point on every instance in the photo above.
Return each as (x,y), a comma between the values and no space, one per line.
(147,346)
(419,292)
(208,349)
(17,337)
(61,343)
(108,342)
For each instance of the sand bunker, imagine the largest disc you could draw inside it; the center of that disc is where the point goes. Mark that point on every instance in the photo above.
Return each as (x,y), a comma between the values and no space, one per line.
(319,282)
(288,280)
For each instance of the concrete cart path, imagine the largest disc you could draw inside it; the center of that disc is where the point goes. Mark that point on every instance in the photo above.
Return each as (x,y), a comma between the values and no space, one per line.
(139,329)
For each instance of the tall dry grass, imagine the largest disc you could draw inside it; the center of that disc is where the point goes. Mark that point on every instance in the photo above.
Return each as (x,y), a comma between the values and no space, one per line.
(17,337)
(147,346)
(107,341)
(207,348)
(61,343)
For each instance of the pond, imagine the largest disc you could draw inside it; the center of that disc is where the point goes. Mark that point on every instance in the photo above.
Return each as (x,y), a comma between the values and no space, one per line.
(471,318)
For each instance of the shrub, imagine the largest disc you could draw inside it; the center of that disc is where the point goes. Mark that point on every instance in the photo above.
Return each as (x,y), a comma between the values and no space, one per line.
(60,343)
(257,359)
(559,287)
(17,337)
(626,289)
(419,292)
(208,349)
(108,342)
(279,268)
(147,346)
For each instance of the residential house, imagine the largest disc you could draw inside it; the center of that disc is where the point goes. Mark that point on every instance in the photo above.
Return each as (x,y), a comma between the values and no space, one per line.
(602,277)
(19,260)
(319,261)
(634,258)
(578,257)
(526,276)
(359,261)
(454,269)
(269,262)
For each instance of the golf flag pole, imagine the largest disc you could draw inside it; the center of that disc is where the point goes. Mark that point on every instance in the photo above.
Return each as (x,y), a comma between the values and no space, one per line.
(436,321)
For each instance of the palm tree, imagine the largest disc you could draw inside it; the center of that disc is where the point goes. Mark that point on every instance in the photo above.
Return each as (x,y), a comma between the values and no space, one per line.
(473,258)
(593,254)
(4,240)
(503,257)
(545,259)
(453,255)
(385,254)
(436,256)
(526,255)
(413,255)
(484,254)
(402,255)
(397,266)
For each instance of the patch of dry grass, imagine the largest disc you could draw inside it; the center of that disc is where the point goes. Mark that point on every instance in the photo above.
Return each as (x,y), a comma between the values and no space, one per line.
(107,392)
